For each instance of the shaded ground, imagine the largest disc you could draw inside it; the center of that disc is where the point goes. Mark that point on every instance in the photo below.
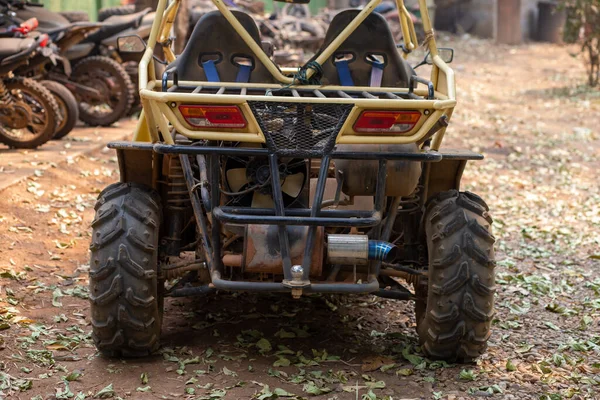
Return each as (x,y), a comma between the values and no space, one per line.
(523,107)
(16,165)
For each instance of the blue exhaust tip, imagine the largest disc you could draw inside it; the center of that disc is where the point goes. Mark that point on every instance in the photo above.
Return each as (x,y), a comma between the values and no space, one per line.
(382,251)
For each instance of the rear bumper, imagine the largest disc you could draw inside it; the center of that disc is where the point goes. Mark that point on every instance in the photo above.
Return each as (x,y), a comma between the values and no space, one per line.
(312,217)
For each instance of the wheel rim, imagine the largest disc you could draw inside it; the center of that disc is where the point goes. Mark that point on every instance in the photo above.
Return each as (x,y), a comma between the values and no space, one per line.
(33,119)
(109,88)
(63,111)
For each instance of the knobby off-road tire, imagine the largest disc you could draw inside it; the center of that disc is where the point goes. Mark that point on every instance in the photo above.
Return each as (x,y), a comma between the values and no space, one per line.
(45,106)
(67,105)
(76,16)
(126,302)
(125,91)
(108,12)
(454,325)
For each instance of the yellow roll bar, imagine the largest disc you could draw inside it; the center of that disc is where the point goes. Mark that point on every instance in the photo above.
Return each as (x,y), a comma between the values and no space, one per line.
(158,118)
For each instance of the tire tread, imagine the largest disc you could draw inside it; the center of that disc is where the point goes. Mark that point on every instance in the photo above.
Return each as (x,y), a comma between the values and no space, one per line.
(126,314)
(455,322)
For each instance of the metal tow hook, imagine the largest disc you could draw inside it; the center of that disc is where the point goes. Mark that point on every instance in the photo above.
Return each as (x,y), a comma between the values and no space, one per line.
(297,283)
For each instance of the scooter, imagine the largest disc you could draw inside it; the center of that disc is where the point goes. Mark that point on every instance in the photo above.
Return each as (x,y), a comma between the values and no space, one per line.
(29,114)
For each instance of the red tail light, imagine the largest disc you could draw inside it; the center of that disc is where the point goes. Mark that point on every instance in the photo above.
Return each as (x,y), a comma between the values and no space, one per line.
(386,121)
(203,116)
(30,24)
(27,26)
(43,40)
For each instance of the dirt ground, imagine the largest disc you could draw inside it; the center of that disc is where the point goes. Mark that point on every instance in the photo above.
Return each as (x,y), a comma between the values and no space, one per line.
(524,107)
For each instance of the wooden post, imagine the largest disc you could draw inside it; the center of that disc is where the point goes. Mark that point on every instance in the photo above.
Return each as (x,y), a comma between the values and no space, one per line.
(508,22)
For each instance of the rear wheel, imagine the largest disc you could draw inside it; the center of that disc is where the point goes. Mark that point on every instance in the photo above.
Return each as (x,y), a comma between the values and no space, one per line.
(75,16)
(67,106)
(454,322)
(116,91)
(126,303)
(107,12)
(30,117)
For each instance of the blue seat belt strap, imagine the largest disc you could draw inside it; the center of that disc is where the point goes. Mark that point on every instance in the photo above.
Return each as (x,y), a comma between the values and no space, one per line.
(376,73)
(343,70)
(210,70)
(243,75)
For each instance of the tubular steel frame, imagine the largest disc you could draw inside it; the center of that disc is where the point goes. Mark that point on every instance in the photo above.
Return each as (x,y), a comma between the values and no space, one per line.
(161,97)
(311,217)
(154,123)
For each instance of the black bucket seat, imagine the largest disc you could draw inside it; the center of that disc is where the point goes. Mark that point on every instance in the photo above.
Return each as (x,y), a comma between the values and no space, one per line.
(370,46)
(216,52)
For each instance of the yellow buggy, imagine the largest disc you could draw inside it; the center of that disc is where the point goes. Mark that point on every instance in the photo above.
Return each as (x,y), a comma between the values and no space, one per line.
(326,178)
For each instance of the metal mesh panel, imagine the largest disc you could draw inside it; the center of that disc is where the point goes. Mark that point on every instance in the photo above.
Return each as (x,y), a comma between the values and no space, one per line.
(302,128)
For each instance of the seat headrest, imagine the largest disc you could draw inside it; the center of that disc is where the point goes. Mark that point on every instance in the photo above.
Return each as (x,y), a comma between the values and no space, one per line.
(372,38)
(213,38)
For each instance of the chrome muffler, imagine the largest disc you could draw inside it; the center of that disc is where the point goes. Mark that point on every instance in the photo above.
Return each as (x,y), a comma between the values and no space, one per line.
(358,250)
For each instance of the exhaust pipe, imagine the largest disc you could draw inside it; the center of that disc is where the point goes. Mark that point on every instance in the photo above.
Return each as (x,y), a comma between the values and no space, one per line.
(358,250)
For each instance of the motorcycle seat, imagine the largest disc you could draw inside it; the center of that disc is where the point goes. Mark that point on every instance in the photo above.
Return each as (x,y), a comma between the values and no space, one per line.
(370,46)
(14,46)
(56,32)
(215,52)
(116,24)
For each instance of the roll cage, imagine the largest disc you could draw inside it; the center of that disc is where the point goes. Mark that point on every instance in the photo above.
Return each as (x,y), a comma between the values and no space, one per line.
(161,95)
(161,118)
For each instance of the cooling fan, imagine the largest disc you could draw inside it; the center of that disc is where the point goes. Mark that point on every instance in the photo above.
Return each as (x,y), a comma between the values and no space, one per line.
(248,180)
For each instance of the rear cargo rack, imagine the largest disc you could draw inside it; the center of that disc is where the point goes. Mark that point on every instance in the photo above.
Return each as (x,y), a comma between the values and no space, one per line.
(219,88)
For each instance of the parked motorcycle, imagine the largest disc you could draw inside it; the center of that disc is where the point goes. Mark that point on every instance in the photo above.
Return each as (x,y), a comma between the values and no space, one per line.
(100,84)
(29,114)
(67,103)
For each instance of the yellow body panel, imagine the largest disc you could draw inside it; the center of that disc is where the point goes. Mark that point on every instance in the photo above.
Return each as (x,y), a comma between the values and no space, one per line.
(161,114)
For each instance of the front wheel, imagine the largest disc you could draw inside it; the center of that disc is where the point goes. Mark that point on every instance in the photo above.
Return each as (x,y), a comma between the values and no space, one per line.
(29,114)
(126,301)
(67,106)
(115,91)
(454,321)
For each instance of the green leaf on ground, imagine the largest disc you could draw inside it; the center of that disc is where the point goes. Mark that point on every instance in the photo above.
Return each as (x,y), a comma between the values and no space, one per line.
(411,358)
(56,295)
(312,388)
(510,366)
(105,393)
(405,372)
(73,376)
(264,345)
(467,375)
(282,362)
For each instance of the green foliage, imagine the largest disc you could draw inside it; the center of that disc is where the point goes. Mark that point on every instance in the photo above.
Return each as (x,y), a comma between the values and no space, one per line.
(583,26)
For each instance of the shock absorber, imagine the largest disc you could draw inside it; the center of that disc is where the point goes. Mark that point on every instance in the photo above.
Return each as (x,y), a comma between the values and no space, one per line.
(178,202)
(411,203)
(5,96)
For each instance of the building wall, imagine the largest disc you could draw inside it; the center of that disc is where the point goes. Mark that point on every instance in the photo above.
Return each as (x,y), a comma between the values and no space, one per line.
(484,11)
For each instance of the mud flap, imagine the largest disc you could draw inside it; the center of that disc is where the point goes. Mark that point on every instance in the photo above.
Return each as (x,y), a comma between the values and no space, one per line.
(444,176)
(135,166)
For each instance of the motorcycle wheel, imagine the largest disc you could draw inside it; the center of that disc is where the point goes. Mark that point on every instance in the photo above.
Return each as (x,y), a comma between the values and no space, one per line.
(115,87)
(33,116)
(67,105)
(75,16)
(107,12)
